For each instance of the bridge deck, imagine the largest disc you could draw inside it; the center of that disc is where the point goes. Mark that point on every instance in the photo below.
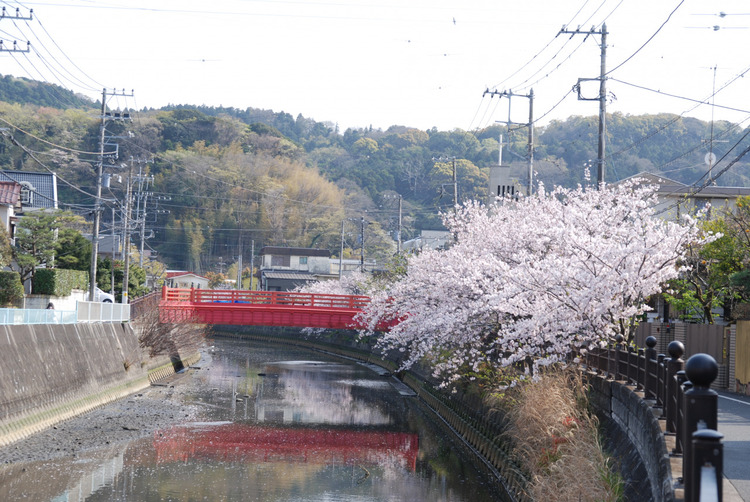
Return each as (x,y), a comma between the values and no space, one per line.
(261,308)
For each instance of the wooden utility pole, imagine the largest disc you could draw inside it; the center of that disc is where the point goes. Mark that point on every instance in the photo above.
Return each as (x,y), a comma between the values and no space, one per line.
(602,98)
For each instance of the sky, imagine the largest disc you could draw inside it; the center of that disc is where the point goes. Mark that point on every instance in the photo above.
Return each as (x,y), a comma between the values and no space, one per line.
(415,63)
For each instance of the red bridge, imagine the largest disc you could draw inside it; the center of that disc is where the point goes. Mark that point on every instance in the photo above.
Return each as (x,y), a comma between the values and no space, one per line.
(260,308)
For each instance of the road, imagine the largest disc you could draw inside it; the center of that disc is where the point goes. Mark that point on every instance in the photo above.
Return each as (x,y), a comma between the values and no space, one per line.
(734,424)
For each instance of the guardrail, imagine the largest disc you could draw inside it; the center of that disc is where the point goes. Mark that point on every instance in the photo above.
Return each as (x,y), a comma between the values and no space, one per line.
(263,297)
(690,408)
(85,312)
(37,316)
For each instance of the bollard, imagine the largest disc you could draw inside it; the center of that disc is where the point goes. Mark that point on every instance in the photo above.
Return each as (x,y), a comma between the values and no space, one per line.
(707,451)
(675,364)
(701,409)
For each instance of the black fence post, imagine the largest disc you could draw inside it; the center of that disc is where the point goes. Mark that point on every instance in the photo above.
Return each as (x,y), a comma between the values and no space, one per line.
(675,364)
(650,377)
(661,383)
(707,452)
(701,411)
(681,436)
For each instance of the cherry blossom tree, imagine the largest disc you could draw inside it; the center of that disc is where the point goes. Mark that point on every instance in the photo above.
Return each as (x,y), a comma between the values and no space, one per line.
(533,280)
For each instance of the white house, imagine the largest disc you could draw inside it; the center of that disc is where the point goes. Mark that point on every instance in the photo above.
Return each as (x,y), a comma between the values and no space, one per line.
(184,279)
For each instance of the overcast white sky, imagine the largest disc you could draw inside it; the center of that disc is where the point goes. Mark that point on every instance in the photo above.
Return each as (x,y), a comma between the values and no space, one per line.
(419,63)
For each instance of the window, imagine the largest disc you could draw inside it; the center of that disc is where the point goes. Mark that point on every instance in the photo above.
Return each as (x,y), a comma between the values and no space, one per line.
(279,261)
(27,193)
(303,260)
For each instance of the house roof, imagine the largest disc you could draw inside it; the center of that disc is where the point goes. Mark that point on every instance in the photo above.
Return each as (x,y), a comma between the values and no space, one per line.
(672,187)
(10,193)
(292,276)
(42,185)
(285,251)
(181,273)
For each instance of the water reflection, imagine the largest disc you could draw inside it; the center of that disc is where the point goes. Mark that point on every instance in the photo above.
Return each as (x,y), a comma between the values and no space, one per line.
(274,428)
(248,444)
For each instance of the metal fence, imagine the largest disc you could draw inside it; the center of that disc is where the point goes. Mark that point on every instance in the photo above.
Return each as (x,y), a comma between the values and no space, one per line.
(681,390)
(85,312)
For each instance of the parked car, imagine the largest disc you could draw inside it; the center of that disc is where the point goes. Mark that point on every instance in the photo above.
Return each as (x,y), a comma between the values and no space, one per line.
(101,296)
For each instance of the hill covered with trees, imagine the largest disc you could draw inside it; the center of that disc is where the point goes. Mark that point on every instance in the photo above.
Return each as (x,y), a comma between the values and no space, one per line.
(223,177)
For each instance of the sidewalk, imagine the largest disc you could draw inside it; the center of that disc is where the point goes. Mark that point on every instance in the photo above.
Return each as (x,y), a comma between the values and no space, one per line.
(734,424)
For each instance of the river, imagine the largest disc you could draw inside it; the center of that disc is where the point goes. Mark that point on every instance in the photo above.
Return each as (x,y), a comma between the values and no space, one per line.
(272,424)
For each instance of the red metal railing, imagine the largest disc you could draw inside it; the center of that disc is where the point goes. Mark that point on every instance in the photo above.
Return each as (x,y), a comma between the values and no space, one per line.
(264,298)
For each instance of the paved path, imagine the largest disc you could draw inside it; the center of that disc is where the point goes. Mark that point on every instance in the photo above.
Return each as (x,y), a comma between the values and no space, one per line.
(734,423)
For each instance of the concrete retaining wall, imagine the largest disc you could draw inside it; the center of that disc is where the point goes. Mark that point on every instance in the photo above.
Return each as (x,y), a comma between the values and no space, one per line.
(49,373)
(635,438)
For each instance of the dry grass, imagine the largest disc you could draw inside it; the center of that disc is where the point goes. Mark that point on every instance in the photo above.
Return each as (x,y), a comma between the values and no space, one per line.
(168,339)
(557,441)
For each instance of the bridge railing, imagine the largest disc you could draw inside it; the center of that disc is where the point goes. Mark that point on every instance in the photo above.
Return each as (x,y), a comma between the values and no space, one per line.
(689,407)
(288,298)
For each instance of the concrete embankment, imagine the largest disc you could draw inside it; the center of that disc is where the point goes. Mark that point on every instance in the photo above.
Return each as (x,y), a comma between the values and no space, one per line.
(49,373)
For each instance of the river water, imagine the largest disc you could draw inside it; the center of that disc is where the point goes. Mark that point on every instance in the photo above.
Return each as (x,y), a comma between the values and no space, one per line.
(277,424)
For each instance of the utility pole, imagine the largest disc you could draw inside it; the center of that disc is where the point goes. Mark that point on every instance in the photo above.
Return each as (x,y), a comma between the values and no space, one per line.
(126,239)
(17,17)
(239,262)
(400,207)
(600,172)
(362,249)
(455,180)
(341,251)
(99,171)
(530,144)
(252,264)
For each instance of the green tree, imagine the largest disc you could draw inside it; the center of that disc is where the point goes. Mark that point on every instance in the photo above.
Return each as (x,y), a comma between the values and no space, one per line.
(40,235)
(6,251)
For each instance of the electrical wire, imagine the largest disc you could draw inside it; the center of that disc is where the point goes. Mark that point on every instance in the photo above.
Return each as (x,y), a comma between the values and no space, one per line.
(647,41)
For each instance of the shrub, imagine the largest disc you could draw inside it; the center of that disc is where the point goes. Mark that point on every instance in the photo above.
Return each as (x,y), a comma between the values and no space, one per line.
(11,289)
(58,281)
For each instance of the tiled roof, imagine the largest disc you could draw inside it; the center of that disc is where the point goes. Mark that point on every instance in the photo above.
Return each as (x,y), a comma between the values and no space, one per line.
(10,193)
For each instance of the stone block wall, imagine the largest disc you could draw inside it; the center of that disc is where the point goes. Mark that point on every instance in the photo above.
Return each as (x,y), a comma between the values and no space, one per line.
(634,438)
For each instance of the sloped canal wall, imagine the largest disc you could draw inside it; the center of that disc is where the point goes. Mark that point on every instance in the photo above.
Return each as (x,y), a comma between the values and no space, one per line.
(51,372)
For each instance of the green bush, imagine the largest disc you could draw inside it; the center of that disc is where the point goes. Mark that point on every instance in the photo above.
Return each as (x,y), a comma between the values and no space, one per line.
(11,289)
(58,281)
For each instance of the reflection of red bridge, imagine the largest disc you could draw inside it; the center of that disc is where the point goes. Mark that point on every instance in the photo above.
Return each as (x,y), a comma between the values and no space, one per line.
(261,308)
(250,443)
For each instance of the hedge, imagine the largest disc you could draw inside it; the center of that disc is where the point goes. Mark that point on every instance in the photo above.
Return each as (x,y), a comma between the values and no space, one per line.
(58,281)
(11,289)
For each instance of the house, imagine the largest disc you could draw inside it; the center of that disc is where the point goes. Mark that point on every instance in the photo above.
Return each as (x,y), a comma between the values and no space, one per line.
(184,279)
(10,203)
(285,268)
(349,265)
(38,190)
(676,199)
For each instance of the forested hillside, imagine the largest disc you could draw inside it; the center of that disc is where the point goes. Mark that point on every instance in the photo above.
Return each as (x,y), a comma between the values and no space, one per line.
(224,177)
